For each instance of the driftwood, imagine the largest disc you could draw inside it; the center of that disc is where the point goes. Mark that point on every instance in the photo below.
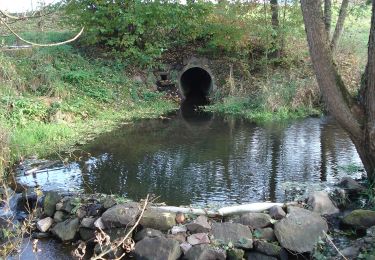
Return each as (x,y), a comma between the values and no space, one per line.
(225,211)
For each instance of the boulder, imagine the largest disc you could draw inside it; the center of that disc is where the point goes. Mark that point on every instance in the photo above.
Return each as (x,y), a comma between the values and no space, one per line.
(161,220)
(198,238)
(99,223)
(157,248)
(259,256)
(109,202)
(320,203)
(121,215)
(60,216)
(238,234)
(270,249)
(67,205)
(50,201)
(117,233)
(44,224)
(350,185)
(265,233)
(205,252)
(179,237)
(88,223)
(300,230)
(81,213)
(256,220)
(147,232)
(199,225)
(277,212)
(360,219)
(178,229)
(86,234)
(185,246)
(67,230)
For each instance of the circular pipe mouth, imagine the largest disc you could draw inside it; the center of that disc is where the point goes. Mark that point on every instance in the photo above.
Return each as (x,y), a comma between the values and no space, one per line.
(195,82)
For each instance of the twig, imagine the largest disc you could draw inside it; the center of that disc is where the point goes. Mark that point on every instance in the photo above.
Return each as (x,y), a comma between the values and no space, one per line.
(334,246)
(127,235)
(39,44)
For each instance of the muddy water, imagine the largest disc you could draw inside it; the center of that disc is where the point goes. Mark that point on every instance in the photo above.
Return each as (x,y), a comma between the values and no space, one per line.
(208,160)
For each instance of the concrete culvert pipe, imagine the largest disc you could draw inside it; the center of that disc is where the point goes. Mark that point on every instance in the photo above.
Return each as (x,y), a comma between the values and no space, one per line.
(195,81)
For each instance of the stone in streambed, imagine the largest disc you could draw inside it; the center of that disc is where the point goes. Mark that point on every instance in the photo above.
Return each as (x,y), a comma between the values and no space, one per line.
(44,224)
(265,233)
(300,230)
(88,223)
(205,252)
(277,212)
(199,225)
(322,204)
(67,230)
(157,248)
(50,201)
(270,249)
(198,238)
(157,219)
(256,220)
(351,185)
(60,216)
(147,232)
(238,234)
(121,215)
(360,219)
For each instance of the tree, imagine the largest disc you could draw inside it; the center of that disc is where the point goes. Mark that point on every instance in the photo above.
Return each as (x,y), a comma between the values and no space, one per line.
(340,24)
(355,115)
(328,15)
(275,26)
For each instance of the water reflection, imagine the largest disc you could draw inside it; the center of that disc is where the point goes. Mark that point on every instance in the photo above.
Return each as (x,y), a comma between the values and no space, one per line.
(225,161)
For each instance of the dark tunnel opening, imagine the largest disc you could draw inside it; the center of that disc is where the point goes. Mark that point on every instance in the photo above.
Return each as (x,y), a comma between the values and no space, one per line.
(195,83)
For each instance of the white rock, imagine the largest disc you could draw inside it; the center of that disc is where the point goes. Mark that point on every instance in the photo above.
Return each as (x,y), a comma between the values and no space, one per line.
(99,223)
(178,229)
(322,204)
(44,224)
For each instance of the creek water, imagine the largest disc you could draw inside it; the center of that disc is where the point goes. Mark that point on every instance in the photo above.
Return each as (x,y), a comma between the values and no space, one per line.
(205,159)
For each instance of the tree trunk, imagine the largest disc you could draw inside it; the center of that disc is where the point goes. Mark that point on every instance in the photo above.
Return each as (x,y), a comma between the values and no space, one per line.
(340,24)
(328,16)
(275,25)
(336,96)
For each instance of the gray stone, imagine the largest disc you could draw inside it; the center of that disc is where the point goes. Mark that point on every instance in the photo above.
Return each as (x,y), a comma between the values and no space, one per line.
(116,233)
(256,220)
(59,206)
(238,234)
(350,252)
(178,229)
(180,237)
(300,230)
(351,185)
(265,233)
(199,225)
(235,254)
(205,252)
(277,212)
(44,224)
(66,230)
(50,201)
(322,204)
(185,247)
(157,248)
(60,216)
(259,256)
(270,249)
(147,232)
(99,223)
(121,215)
(198,238)
(67,205)
(109,202)
(157,219)
(40,235)
(360,219)
(81,213)
(88,223)
(87,234)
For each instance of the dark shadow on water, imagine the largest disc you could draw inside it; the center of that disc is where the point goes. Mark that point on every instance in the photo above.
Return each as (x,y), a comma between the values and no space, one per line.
(192,112)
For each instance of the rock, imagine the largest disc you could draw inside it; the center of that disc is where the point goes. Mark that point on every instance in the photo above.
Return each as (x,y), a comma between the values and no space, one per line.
(360,219)
(180,237)
(322,204)
(198,238)
(67,205)
(50,201)
(94,209)
(199,225)
(113,254)
(117,233)
(81,213)
(147,232)
(350,252)
(60,216)
(185,247)
(270,249)
(153,218)
(205,252)
(300,230)
(235,254)
(351,185)
(277,212)
(180,218)
(265,233)
(235,233)
(66,230)
(121,215)
(157,248)
(88,223)
(86,234)
(59,206)
(259,256)
(99,224)
(256,220)
(40,235)
(178,229)
(109,202)
(44,224)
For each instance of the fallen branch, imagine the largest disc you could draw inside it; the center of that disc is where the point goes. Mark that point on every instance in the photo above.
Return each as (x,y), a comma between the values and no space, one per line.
(39,44)
(101,256)
(225,211)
